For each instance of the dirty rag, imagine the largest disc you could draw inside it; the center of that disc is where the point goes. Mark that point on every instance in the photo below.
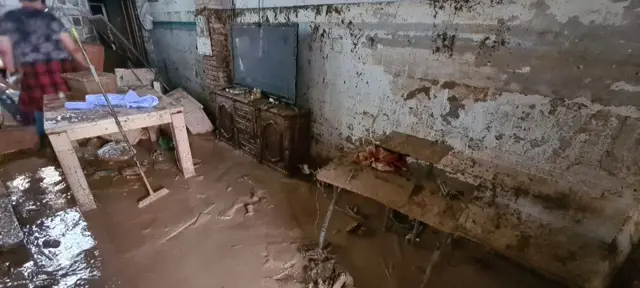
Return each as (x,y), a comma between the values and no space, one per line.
(129,100)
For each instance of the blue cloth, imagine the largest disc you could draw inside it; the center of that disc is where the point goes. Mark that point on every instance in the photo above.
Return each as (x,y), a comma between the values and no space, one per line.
(129,100)
(70,105)
(40,124)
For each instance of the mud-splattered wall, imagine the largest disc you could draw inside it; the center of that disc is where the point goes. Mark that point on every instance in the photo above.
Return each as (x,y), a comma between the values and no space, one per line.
(543,85)
(241,4)
(545,89)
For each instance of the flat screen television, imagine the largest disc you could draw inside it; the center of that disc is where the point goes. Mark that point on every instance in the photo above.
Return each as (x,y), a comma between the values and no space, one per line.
(264,57)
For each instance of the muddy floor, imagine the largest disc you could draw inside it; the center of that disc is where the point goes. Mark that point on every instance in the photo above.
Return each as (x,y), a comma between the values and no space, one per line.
(237,224)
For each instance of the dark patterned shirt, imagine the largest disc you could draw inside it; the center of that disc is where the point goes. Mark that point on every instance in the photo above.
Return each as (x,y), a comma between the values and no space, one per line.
(35,35)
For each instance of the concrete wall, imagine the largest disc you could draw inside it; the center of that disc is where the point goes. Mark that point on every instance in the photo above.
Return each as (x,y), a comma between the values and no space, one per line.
(71,13)
(488,80)
(240,4)
(174,44)
(545,93)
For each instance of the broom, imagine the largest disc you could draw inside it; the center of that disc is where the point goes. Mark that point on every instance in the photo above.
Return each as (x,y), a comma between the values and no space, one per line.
(152,195)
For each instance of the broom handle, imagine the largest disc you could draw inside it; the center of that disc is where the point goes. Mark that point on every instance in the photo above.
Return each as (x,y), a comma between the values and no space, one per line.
(113,111)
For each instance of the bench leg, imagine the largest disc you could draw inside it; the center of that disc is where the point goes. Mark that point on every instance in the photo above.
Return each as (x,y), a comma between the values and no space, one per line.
(72,171)
(327,218)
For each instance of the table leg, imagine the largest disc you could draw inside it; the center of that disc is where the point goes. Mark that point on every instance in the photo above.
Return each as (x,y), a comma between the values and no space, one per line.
(72,171)
(153,133)
(181,139)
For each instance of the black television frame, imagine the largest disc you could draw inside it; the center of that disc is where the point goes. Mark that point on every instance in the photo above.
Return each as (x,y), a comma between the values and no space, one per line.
(269,94)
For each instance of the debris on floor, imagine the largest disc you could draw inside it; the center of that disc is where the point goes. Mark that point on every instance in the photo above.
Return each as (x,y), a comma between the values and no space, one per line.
(103,173)
(95,143)
(247,203)
(115,151)
(10,233)
(355,228)
(381,159)
(165,143)
(201,218)
(322,271)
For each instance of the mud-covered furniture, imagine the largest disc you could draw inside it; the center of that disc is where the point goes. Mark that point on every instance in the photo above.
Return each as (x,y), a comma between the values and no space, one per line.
(225,116)
(64,126)
(276,135)
(506,211)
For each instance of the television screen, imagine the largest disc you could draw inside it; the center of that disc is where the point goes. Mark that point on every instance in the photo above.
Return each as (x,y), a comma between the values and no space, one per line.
(264,57)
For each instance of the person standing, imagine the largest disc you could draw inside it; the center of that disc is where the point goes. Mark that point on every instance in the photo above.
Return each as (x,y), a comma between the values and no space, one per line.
(35,43)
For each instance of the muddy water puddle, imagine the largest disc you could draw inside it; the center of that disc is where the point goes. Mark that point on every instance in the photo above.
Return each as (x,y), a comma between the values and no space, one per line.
(58,250)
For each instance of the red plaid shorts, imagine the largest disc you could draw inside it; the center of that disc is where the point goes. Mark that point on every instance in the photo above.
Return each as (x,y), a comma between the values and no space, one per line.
(39,79)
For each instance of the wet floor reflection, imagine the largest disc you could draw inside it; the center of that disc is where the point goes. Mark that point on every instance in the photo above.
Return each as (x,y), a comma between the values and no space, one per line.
(58,249)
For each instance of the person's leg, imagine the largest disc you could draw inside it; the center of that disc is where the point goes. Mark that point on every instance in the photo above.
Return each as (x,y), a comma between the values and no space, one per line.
(42,135)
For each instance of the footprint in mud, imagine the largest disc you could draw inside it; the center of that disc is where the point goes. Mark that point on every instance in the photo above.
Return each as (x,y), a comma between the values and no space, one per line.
(245,202)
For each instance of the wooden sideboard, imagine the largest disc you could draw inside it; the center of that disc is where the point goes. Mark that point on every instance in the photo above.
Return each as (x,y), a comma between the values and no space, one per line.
(276,135)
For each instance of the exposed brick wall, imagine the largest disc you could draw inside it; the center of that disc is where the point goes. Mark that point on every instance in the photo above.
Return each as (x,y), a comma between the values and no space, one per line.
(217,67)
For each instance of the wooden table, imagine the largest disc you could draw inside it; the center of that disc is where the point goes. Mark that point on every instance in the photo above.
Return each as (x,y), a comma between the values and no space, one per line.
(64,126)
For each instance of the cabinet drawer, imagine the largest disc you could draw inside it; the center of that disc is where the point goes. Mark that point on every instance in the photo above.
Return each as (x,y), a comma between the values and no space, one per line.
(247,137)
(249,148)
(244,111)
(242,124)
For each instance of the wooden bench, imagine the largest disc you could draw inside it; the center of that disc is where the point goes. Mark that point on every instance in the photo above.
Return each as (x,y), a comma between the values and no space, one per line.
(490,211)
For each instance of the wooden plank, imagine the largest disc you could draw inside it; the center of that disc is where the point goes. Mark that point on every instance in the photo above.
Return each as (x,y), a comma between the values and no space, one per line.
(183,98)
(128,123)
(419,148)
(388,188)
(181,139)
(72,171)
(196,120)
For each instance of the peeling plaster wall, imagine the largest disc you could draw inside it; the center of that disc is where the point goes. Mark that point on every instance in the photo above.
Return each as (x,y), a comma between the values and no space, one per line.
(241,4)
(543,92)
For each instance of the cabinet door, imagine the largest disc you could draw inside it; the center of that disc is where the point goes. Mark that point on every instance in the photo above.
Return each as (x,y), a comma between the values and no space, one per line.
(225,122)
(272,137)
